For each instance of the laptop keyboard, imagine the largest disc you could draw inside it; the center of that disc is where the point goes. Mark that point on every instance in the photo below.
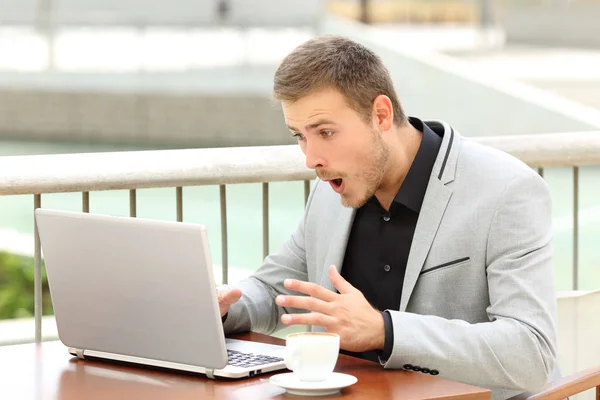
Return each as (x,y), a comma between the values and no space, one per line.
(244,360)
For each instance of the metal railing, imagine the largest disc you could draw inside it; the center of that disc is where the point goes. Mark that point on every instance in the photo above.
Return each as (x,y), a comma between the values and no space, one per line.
(67,173)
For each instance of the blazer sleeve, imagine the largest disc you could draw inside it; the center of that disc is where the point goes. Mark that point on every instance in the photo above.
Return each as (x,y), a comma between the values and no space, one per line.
(257,310)
(516,349)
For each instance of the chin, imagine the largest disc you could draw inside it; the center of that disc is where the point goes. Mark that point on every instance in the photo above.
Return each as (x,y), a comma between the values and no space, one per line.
(353,202)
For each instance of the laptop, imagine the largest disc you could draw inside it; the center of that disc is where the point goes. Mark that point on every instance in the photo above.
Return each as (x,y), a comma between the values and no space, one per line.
(142,291)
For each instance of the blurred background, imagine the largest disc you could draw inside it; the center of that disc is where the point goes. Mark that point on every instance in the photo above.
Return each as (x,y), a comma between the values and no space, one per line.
(120,75)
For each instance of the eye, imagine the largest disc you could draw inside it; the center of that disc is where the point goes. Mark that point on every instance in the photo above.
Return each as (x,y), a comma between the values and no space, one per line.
(327,133)
(298,136)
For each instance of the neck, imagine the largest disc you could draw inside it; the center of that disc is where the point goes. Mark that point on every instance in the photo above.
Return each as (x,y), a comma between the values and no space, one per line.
(403,145)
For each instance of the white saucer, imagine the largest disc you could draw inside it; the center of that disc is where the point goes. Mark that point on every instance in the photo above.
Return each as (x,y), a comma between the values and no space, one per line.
(290,382)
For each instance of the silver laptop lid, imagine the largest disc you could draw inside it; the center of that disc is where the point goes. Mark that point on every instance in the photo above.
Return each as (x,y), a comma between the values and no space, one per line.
(130,286)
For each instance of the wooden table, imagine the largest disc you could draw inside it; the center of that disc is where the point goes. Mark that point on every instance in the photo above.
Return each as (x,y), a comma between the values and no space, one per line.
(48,371)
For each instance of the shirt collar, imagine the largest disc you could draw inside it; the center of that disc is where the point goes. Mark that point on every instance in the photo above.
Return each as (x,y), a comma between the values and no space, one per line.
(412,191)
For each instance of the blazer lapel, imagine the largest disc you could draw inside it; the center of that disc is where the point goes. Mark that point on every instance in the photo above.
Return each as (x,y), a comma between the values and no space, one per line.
(433,208)
(337,245)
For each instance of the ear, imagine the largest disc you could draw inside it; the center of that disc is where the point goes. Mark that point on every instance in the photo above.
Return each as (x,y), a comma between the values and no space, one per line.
(383,112)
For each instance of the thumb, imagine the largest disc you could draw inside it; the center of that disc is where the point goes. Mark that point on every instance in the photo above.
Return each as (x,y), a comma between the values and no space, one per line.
(228,297)
(338,281)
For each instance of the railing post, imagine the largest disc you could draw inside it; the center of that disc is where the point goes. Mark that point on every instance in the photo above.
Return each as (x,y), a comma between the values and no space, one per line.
(132,203)
(224,266)
(575,228)
(37,273)
(179,200)
(85,202)
(265,210)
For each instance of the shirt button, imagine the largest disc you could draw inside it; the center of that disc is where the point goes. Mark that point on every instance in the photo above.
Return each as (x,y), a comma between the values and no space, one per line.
(386,218)
(387,268)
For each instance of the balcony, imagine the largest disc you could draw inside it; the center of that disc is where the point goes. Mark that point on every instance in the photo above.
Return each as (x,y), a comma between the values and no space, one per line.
(40,176)
(570,161)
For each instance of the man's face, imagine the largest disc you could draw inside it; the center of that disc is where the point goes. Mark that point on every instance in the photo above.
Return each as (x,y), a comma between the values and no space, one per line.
(343,150)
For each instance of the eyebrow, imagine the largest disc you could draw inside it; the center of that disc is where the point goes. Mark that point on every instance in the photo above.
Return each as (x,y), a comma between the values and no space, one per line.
(314,125)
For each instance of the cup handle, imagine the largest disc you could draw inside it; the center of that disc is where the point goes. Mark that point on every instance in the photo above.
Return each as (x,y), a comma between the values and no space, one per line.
(290,359)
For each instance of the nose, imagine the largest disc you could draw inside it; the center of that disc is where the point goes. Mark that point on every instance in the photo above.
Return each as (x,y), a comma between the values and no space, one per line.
(313,155)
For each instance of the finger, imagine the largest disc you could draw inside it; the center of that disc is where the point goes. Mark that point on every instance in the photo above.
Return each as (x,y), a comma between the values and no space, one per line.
(304,302)
(309,288)
(308,319)
(339,282)
(229,296)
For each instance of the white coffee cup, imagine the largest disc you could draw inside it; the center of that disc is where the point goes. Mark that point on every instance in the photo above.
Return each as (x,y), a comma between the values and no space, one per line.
(312,355)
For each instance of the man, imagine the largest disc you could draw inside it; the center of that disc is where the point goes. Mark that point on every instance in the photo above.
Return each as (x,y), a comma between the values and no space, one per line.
(422,249)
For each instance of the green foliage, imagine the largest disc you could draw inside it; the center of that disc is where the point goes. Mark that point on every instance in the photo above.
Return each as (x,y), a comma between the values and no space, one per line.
(16,287)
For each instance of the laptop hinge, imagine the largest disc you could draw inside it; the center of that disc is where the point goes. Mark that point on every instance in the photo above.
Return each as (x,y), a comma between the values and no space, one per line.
(210,373)
(79,353)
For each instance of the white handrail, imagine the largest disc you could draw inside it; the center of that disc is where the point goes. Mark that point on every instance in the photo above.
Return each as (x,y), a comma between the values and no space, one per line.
(570,149)
(171,168)
(150,169)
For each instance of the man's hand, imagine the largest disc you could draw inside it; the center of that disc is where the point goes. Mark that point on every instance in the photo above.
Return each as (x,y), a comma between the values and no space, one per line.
(348,313)
(226,298)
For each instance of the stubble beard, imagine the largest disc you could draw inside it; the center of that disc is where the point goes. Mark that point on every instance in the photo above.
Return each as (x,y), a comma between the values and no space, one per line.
(372,176)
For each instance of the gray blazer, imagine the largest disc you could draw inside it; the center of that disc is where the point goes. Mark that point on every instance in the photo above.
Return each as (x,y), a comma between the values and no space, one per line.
(478,302)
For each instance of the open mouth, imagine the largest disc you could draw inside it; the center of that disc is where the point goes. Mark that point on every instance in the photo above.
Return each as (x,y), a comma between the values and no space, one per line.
(336,184)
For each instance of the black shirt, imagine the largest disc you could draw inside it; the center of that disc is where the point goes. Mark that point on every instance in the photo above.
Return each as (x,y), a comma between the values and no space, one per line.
(380,240)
